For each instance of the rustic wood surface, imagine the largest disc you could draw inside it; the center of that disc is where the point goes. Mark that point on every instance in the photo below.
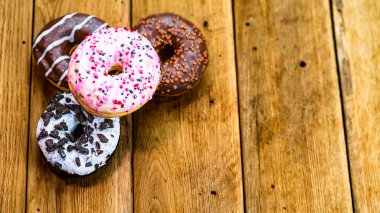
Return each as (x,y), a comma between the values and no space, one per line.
(15,16)
(357,31)
(291,122)
(284,120)
(187,149)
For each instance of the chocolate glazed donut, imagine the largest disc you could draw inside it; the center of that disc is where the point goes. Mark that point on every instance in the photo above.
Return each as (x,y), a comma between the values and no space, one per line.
(181,48)
(55,42)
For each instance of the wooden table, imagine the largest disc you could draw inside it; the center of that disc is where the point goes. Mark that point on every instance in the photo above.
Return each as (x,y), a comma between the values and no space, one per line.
(286,118)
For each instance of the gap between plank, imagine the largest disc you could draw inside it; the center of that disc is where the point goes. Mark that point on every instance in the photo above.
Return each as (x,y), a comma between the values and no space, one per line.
(132,131)
(238,101)
(30,101)
(341,100)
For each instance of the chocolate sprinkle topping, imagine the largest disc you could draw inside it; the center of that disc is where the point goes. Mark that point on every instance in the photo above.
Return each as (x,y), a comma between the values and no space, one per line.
(59,107)
(90,118)
(64,126)
(66,110)
(107,123)
(89,130)
(70,148)
(57,165)
(70,137)
(102,138)
(58,127)
(43,134)
(61,142)
(77,161)
(61,126)
(46,117)
(77,146)
(97,144)
(49,145)
(58,115)
(83,139)
(88,164)
(61,152)
(51,107)
(84,151)
(54,134)
(81,117)
(58,97)
(74,107)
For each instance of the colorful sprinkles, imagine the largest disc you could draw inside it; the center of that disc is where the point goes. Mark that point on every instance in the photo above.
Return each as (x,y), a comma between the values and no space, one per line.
(114,70)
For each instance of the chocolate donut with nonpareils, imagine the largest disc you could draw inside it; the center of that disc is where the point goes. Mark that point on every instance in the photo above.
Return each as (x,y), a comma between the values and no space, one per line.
(54,44)
(182,50)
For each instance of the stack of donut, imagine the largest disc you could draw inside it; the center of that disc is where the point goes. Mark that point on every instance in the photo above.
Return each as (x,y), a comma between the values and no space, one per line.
(105,73)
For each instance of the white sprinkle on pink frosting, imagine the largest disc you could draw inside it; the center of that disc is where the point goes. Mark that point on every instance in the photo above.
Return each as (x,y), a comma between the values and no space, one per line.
(107,48)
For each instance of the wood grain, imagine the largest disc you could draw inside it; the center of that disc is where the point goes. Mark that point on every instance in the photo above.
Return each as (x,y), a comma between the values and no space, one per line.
(357,31)
(187,149)
(14,101)
(108,190)
(294,152)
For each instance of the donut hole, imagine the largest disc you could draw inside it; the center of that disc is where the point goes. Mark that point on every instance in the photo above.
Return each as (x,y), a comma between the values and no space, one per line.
(72,49)
(165,53)
(78,131)
(115,70)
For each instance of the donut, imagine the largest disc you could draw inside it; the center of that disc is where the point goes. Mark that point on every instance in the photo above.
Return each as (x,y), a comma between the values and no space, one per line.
(72,141)
(53,45)
(113,72)
(181,48)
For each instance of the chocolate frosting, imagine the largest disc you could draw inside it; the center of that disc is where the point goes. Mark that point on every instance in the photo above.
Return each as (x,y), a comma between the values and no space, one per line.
(52,46)
(182,50)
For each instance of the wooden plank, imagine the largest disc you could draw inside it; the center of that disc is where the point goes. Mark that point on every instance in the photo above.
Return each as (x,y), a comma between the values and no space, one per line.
(187,149)
(110,189)
(15,16)
(357,31)
(294,152)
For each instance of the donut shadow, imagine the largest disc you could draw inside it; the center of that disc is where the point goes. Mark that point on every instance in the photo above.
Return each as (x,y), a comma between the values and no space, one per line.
(168,103)
(160,107)
(182,100)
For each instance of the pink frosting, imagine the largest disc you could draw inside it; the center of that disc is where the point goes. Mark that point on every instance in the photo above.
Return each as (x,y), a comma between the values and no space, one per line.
(114,47)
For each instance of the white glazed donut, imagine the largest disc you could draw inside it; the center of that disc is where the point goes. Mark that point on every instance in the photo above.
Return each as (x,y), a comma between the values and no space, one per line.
(73,141)
(102,93)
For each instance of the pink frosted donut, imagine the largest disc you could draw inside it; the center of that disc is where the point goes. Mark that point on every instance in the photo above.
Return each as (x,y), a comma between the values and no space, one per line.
(119,50)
